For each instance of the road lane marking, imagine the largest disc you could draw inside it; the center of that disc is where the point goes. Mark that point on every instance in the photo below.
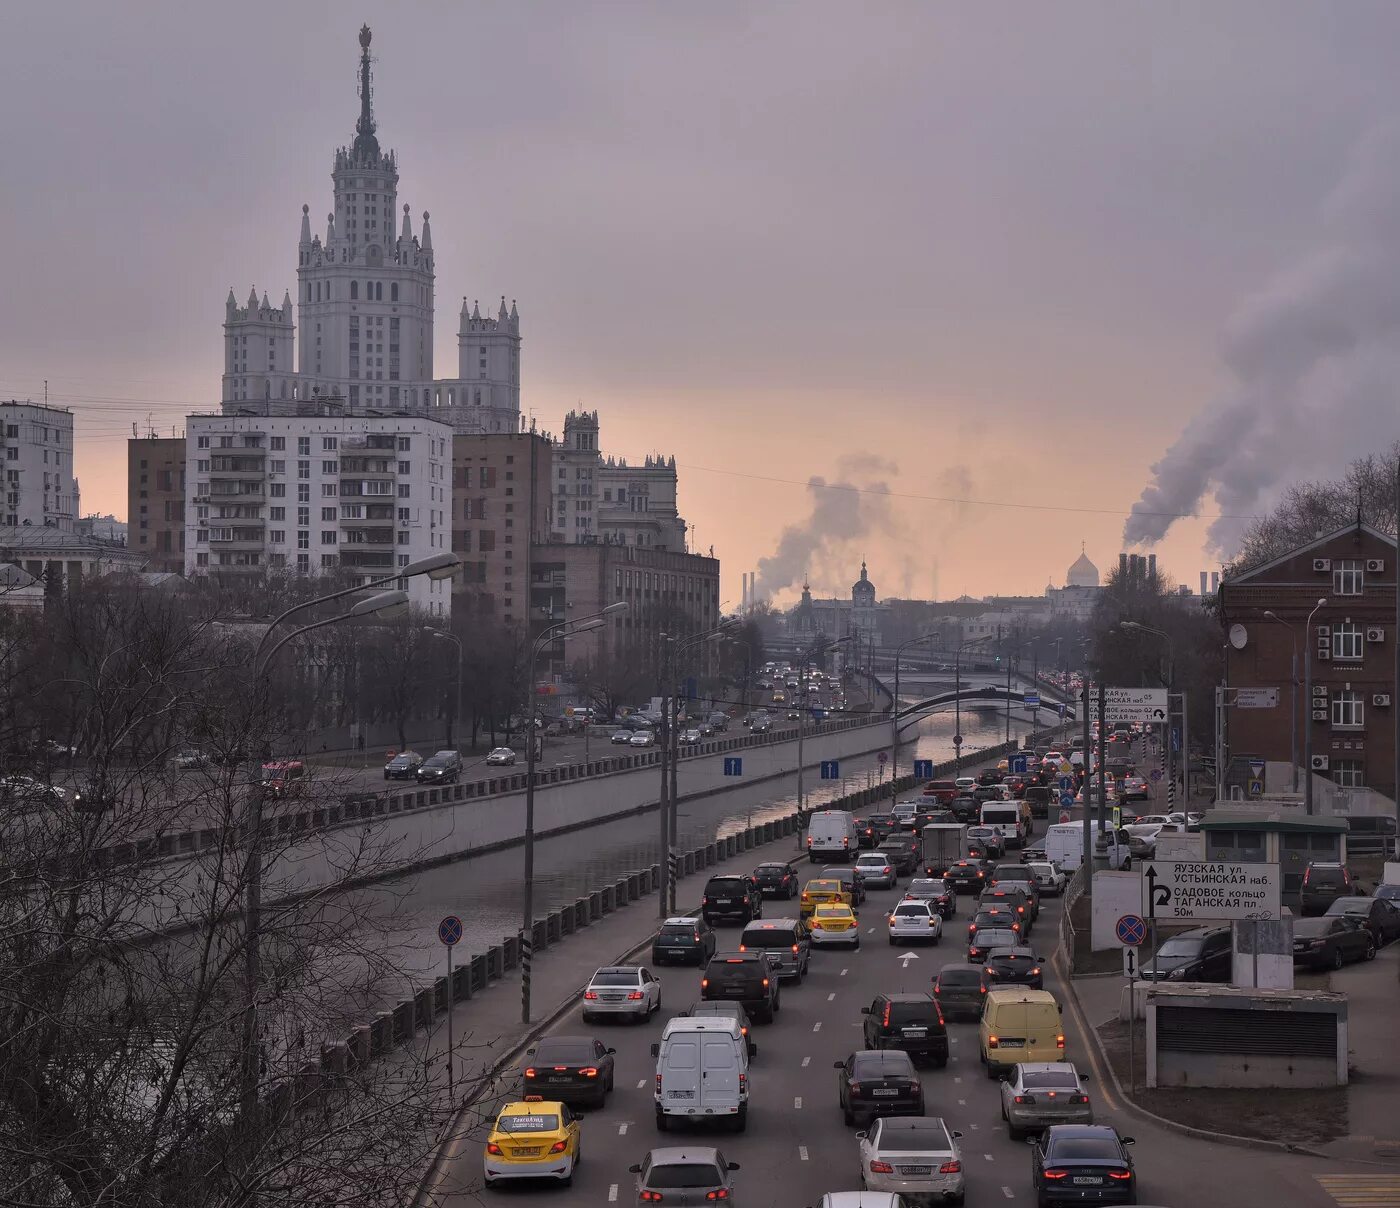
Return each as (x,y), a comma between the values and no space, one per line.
(797,1102)
(844,972)
(988,1157)
(831,997)
(962,1102)
(956,1078)
(953,1039)
(622,1129)
(1355,1190)
(806,1061)
(612,1193)
(870,930)
(641,1084)
(802,1152)
(1008,1193)
(817,1027)
(973,1126)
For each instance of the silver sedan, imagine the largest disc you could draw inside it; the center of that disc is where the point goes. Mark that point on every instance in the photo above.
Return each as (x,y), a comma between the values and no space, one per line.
(1040,1094)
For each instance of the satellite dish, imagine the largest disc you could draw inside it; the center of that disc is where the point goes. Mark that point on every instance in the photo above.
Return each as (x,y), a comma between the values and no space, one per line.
(1239,636)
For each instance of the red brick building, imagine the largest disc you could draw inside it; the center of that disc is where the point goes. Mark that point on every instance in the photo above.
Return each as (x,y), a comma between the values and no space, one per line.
(1350,644)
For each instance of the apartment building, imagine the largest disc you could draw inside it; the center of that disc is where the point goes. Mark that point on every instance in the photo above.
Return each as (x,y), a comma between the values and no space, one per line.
(40,488)
(155,501)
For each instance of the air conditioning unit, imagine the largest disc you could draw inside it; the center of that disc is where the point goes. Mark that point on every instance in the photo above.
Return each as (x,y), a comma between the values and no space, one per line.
(1375,565)
(1323,631)
(1375,634)
(1319,763)
(1324,652)
(1322,565)
(1381,700)
(1319,715)
(1319,689)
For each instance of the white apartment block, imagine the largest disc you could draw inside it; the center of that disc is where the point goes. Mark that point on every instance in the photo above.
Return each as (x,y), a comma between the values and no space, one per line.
(319,494)
(40,489)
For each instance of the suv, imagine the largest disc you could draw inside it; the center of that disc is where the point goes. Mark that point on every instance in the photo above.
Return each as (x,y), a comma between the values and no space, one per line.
(743,977)
(403,766)
(442,767)
(732,896)
(911,1022)
(903,851)
(1199,955)
(1322,885)
(688,940)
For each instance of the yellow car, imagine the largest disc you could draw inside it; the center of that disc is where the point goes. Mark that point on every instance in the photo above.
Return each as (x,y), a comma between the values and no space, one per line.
(836,924)
(822,892)
(533,1141)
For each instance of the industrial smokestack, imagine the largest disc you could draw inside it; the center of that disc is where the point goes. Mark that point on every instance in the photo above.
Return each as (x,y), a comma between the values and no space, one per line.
(1151,566)
(1214,582)
(1123,566)
(1204,578)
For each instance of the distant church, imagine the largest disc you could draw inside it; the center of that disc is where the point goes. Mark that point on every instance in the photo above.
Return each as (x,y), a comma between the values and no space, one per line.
(836,617)
(1077,597)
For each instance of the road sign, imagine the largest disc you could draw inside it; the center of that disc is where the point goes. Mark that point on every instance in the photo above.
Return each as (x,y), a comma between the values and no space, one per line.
(1131,930)
(831,769)
(923,769)
(957,740)
(1017,764)
(1155,773)
(733,765)
(1066,768)
(1064,815)
(1213,892)
(1256,698)
(883,756)
(1130,963)
(1032,700)
(1066,783)
(450,930)
(1256,778)
(1135,704)
(1066,800)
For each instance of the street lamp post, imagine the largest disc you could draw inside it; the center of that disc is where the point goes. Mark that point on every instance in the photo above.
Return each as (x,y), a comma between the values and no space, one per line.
(894,708)
(1307,701)
(1135,627)
(449,636)
(806,656)
(1293,693)
(561,632)
(957,697)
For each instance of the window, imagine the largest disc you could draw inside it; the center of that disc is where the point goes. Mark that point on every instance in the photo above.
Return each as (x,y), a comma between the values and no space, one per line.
(486,541)
(1347,577)
(303,446)
(330,467)
(303,492)
(403,490)
(303,516)
(488,476)
(403,537)
(329,490)
(328,536)
(278,467)
(303,539)
(1348,773)
(328,444)
(328,514)
(354,291)
(404,442)
(405,467)
(277,513)
(303,469)
(201,467)
(202,442)
(304,563)
(278,442)
(327,560)
(1347,641)
(276,536)
(1348,711)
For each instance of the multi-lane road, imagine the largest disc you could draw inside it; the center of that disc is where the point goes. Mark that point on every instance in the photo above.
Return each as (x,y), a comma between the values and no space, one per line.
(796,1146)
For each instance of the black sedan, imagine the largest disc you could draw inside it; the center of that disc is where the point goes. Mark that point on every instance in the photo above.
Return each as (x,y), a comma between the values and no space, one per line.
(1380,916)
(571,1069)
(1330,941)
(967,876)
(1082,1164)
(1019,966)
(878,1082)
(776,880)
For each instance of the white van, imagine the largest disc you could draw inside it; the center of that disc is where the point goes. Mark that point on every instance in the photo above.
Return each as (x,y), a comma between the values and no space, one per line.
(1008,818)
(1064,845)
(831,835)
(702,1072)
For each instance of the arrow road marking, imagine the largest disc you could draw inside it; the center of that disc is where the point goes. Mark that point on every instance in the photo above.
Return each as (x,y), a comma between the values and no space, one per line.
(906,957)
(797,1103)
(831,997)
(802,1152)
(641,1084)
(806,1061)
(612,1193)
(622,1129)
(817,1027)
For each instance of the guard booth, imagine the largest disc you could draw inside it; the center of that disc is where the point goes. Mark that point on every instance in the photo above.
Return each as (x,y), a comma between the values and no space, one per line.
(1268,834)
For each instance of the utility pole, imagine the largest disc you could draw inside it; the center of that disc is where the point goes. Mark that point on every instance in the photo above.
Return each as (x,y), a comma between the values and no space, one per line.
(1088,834)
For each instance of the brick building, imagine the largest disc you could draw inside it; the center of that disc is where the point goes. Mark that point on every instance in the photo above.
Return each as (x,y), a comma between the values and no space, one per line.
(1350,644)
(155,501)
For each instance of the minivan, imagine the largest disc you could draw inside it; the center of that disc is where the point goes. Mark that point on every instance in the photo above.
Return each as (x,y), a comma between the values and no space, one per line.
(832,835)
(702,1072)
(786,942)
(1019,1025)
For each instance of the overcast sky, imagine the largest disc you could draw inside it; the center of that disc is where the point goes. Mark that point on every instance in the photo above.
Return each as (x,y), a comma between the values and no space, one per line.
(991,252)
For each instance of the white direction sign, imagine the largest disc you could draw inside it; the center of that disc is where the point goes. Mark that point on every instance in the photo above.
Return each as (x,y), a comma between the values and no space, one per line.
(1130,963)
(1135,704)
(1210,891)
(1256,698)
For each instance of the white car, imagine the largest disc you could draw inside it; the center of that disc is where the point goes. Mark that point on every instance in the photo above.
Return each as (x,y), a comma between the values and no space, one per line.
(690,737)
(914,1156)
(500,757)
(642,738)
(629,991)
(1049,877)
(26,791)
(876,869)
(1157,819)
(965,784)
(915,921)
(190,758)
(1135,788)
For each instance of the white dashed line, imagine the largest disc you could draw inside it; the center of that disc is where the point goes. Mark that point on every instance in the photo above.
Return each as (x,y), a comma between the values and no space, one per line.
(962,1102)
(817,1027)
(831,997)
(972,1126)
(641,1084)
(953,1039)
(956,1078)
(806,1061)
(988,1157)
(844,972)
(870,930)
(797,1103)
(612,1193)
(622,1129)
(802,1152)
(1008,1193)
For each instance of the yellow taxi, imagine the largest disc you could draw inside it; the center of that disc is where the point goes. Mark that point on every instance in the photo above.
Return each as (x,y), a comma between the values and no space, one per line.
(834,924)
(533,1141)
(824,892)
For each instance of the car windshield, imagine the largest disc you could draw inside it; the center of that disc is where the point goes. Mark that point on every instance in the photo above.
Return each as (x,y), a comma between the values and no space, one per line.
(880,1065)
(904,1136)
(911,1012)
(679,931)
(401,761)
(528,1124)
(685,1174)
(1049,1080)
(1078,1149)
(771,870)
(1180,947)
(994,937)
(614,979)
(438,761)
(916,908)
(564,1052)
(921,886)
(1012,960)
(1312,927)
(959,975)
(833,912)
(1391,892)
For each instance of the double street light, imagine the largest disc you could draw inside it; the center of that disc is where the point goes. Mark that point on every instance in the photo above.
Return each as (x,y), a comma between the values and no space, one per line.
(816,648)
(957,696)
(894,711)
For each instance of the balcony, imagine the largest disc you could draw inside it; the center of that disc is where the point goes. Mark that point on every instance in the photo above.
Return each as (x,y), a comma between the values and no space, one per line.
(366,536)
(374,467)
(359,557)
(231,544)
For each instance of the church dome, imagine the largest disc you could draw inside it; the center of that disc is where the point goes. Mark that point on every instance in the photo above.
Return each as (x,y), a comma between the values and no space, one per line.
(1083,573)
(863,590)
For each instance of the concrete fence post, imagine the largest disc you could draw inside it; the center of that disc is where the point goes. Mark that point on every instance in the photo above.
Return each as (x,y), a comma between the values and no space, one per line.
(404,1014)
(510,951)
(596,909)
(357,1045)
(423,1006)
(480,972)
(495,962)
(381,1033)
(540,933)
(442,996)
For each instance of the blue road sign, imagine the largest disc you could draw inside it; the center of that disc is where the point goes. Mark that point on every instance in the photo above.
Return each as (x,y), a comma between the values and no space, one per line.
(1155,773)
(1067,800)
(1017,764)
(831,769)
(1066,783)
(450,930)
(1130,930)
(1062,710)
(1032,700)
(923,769)
(733,765)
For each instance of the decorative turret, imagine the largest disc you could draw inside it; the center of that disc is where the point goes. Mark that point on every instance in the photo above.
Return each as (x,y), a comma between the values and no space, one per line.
(427,233)
(406,233)
(305,240)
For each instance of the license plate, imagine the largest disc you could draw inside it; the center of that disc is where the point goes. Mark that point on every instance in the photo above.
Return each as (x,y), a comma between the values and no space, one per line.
(558,1078)
(916,1032)
(734,992)
(612,997)
(674,951)
(912,1170)
(1012,1044)
(884,1094)
(528,1151)
(1084,1180)
(680,1094)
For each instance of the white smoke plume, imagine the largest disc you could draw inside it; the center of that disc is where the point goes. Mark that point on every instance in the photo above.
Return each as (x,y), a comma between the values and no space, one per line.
(1316,355)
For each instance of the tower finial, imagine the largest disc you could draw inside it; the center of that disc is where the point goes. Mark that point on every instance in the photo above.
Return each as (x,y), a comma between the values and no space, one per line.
(366,145)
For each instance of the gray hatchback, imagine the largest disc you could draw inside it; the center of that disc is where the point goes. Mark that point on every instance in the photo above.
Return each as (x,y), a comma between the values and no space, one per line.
(958,991)
(690,1176)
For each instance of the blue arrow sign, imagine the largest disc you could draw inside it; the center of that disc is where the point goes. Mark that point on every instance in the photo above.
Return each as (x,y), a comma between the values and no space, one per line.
(733,765)
(1032,700)
(831,769)
(1017,764)
(1067,800)
(450,930)
(923,769)
(1066,783)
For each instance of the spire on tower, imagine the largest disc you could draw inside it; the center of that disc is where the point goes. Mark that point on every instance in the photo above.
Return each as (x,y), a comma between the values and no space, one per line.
(514,314)
(287,303)
(305,223)
(427,233)
(503,316)
(252,298)
(407,232)
(330,228)
(232,303)
(366,145)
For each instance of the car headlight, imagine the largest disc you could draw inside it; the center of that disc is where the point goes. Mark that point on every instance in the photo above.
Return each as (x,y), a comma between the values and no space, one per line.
(1178,974)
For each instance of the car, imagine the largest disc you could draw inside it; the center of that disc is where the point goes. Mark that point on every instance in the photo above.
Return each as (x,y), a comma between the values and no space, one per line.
(914,921)
(966,808)
(985,938)
(915,1156)
(776,879)
(1203,954)
(404,765)
(941,790)
(1323,942)
(904,812)
(533,1141)
(500,757)
(823,891)
(570,1069)
(441,767)
(965,784)
(938,892)
(190,757)
(620,738)
(872,1083)
(1380,916)
(997,914)
(25,792)
(283,778)
(1010,882)
(834,924)
(728,1010)
(744,977)
(1048,876)
(1013,897)
(689,737)
(904,851)
(852,878)
(626,991)
(761,725)
(1389,893)
(731,896)
(685,939)
(642,738)
(1018,966)
(1038,1095)
(989,777)
(986,841)
(866,832)
(787,942)
(1082,1164)
(1136,788)
(967,876)
(910,1022)
(877,869)
(692,1174)
(1323,883)
(958,991)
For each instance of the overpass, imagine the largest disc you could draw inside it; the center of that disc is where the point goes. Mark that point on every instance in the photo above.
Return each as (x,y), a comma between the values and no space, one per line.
(976,695)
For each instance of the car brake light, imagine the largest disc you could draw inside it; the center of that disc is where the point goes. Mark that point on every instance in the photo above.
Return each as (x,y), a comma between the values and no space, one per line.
(559,1147)
(534,1098)
(530,1072)
(794,948)
(743,1082)
(1059,1042)
(650,1197)
(590,995)
(953,1167)
(1123,1175)
(588,1071)
(1079,1098)
(880,1167)
(1054,1174)
(492,1147)
(765,982)
(704,981)
(696,937)
(1025,1098)
(809,842)
(992,1042)
(658,1084)
(1035,972)
(720,1193)
(1307,872)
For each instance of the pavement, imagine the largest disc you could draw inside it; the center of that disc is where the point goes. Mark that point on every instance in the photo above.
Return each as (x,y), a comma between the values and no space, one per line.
(796,1147)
